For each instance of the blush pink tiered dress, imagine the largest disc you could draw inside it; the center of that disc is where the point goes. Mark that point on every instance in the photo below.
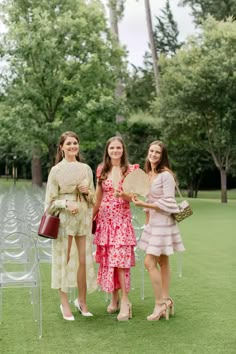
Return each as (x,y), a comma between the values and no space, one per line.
(114,237)
(161,235)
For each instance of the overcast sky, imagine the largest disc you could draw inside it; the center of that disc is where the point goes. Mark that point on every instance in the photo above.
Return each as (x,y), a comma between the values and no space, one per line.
(133,30)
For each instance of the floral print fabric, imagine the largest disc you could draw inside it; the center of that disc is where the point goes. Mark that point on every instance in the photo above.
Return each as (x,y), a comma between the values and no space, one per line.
(114,237)
(64,274)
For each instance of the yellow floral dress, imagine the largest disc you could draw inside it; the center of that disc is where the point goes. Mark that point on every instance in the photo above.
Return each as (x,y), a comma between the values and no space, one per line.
(62,185)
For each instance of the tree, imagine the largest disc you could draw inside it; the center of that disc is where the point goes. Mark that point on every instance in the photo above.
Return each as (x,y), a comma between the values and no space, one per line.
(166,32)
(189,160)
(220,9)
(116,9)
(140,89)
(197,96)
(138,135)
(63,66)
(152,44)
(140,86)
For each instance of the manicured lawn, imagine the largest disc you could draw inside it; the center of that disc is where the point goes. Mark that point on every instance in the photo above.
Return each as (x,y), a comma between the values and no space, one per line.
(205,299)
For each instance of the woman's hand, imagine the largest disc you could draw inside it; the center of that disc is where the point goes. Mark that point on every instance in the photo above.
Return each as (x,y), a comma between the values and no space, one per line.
(121,194)
(72,206)
(117,194)
(137,201)
(83,188)
(125,196)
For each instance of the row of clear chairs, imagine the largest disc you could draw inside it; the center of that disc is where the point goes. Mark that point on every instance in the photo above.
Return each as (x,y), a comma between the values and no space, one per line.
(19,260)
(21,250)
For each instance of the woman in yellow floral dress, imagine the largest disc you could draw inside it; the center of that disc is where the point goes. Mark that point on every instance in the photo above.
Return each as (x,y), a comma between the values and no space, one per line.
(70,192)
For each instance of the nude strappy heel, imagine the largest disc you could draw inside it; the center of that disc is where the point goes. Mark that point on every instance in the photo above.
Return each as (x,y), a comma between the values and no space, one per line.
(125,316)
(113,309)
(170,303)
(161,310)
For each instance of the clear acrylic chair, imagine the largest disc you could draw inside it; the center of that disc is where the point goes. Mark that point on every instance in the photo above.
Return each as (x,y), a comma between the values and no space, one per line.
(139,255)
(44,246)
(21,270)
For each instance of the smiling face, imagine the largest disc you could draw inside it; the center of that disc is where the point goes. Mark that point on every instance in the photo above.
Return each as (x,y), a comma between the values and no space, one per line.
(154,154)
(70,148)
(115,150)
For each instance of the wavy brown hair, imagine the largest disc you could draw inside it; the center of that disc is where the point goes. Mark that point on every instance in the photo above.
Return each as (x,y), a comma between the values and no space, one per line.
(106,163)
(163,164)
(62,139)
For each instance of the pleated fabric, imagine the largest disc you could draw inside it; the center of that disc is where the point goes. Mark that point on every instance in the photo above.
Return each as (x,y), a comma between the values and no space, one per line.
(161,235)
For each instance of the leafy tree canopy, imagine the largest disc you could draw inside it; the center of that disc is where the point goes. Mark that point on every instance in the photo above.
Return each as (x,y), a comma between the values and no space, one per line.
(63,66)
(166,32)
(220,9)
(198,88)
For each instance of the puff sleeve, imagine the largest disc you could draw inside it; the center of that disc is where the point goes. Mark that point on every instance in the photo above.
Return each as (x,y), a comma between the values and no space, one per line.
(167,202)
(90,197)
(52,202)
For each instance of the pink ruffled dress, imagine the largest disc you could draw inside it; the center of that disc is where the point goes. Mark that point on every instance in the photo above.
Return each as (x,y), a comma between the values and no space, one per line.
(114,237)
(161,235)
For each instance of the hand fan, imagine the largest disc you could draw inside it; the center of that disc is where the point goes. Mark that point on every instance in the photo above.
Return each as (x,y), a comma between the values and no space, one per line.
(71,175)
(136,182)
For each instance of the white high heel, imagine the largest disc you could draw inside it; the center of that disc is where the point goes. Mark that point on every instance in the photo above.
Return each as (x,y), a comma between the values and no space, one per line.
(68,318)
(85,314)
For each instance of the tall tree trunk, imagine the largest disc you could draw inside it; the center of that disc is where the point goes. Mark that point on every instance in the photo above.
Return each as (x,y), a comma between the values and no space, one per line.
(36,167)
(52,153)
(223,181)
(113,14)
(152,44)
(114,19)
(190,190)
(223,174)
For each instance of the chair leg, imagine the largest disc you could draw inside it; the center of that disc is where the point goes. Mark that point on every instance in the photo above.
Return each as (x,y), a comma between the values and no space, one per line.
(40,319)
(72,295)
(142,277)
(0,304)
(179,261)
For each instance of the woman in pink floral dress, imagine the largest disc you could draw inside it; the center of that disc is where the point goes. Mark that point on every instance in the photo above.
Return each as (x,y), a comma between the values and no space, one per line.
(114,236)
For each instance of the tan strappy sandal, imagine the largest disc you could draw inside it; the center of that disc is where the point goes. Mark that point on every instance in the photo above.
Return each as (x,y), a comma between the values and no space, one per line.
(161,310)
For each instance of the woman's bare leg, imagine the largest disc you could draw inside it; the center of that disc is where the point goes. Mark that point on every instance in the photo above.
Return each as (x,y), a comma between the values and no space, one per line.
(160,308)
(165,275)
(150,263)
(114,298)
(81,274)
(62,294)
(124,304)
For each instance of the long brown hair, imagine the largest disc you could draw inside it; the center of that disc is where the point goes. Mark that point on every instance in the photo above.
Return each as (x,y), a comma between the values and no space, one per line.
(62,139)
(163,164)
(106,163)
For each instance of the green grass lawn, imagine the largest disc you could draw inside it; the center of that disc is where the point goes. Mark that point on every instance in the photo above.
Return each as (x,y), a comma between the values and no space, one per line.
(205,299)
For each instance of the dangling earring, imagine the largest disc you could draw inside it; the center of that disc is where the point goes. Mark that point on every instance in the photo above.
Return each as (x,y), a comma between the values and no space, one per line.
(62,154)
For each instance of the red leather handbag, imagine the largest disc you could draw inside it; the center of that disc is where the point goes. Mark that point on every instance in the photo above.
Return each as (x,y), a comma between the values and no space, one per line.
(49,226)
(94,225)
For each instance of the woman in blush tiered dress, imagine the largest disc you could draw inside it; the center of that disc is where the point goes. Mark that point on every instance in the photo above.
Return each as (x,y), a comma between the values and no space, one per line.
(161,236)
(114,236)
